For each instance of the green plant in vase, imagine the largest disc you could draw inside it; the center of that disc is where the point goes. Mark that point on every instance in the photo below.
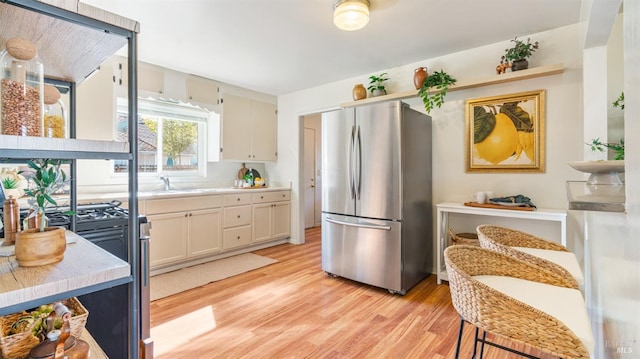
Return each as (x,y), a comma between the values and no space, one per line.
(376,84)
(9,183)
(48,177)
(434,89)
(519,53)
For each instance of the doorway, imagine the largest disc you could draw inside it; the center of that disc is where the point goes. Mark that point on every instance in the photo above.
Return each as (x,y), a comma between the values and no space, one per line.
(312,160)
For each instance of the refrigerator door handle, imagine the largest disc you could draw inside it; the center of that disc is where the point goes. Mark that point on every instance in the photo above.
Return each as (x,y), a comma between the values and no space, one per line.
(358,175)
(351,164)
(359,225)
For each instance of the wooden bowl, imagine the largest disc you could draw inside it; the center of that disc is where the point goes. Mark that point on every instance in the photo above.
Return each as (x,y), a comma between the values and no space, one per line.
(35,248)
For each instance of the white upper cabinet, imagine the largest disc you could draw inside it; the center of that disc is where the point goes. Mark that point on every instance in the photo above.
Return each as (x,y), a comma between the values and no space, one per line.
(158,82)
(202,91)
(249,130)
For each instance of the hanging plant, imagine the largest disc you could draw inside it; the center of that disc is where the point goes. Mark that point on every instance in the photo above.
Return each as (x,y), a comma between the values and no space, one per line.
(434,89)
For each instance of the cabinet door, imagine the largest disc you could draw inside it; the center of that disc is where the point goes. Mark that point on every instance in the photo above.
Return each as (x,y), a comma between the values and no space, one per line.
(150,79)
(205,232)
(202,91)
(168,242)
(262,222)
(281,220)
(264,131)
(236,127)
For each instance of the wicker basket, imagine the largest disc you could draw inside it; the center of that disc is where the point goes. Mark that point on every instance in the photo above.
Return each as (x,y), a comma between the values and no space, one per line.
(17,346)
(469,239)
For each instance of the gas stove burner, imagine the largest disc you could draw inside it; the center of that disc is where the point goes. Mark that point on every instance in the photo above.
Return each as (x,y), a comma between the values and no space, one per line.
(99,206)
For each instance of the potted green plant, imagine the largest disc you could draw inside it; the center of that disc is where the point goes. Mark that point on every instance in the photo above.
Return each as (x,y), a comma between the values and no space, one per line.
(48,177)
(11,187)
(42,245)
(519,53)
(434,89)
(376,84)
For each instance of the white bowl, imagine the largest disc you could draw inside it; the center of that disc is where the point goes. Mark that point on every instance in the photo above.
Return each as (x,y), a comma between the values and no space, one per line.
(602,172)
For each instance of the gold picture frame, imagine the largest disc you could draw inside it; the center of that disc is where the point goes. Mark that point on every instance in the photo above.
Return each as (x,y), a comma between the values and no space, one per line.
(506,133)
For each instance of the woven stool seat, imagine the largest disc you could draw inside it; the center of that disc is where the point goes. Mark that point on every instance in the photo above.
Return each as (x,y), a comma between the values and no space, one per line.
(528,247)
(519,301)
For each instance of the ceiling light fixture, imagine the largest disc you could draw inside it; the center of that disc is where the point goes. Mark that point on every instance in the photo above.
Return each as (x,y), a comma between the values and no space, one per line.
(350,15)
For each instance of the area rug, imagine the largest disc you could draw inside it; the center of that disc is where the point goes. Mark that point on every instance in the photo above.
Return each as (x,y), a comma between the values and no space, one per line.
(167,284)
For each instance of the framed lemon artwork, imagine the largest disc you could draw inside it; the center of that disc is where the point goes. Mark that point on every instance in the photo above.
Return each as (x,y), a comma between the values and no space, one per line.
(505,133)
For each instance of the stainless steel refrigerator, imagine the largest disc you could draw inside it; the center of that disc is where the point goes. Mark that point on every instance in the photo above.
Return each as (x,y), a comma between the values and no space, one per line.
(376,195)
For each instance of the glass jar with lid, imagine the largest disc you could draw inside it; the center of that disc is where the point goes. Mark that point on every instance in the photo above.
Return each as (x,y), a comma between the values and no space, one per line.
(21,87)
(55,117)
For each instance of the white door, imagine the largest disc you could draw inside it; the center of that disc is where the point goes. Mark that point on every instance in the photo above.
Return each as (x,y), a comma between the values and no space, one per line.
(309,176)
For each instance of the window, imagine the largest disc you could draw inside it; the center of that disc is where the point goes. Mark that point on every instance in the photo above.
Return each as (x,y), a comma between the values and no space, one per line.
(170,138)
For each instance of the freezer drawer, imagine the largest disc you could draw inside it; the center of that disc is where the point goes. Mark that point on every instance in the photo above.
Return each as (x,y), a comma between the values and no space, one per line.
(365,250)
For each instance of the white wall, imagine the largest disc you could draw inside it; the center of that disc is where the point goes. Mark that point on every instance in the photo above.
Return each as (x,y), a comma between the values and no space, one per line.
(451,183)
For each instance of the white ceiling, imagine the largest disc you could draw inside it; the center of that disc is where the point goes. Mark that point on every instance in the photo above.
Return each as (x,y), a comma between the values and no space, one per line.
(282,46)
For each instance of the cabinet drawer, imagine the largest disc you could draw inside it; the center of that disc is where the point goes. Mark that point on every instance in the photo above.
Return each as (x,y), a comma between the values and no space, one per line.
(237,216)
(264,197)
(236,237)
(192,203)
(238,199)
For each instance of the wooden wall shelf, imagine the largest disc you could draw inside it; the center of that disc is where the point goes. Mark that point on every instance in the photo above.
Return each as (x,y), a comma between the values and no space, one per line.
(468,84)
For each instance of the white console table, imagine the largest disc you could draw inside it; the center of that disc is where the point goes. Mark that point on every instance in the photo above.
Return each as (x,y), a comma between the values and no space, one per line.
(553,228)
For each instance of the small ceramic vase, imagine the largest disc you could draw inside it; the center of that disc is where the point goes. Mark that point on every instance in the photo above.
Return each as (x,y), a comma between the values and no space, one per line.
(359,92)
(419,76)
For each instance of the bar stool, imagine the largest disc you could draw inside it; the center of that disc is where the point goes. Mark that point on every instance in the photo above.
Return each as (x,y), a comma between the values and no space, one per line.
(518,301)
(528,247)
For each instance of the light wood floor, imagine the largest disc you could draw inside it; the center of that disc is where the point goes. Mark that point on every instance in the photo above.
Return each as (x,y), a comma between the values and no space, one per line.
(292,309)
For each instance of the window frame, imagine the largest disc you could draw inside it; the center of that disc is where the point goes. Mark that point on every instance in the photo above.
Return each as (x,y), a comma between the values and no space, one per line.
(173,110)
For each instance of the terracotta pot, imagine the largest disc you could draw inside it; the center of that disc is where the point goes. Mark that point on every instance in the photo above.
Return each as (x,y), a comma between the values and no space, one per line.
(35,248)
(419,76)
(359,92)
(521,64)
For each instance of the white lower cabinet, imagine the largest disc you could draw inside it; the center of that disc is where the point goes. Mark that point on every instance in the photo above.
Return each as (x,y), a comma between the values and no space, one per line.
(183,229)
(237,221)
(271,216)
(195,229)
(204,232)
(168,235)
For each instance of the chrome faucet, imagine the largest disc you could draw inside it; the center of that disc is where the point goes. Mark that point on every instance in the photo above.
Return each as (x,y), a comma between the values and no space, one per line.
(167,184)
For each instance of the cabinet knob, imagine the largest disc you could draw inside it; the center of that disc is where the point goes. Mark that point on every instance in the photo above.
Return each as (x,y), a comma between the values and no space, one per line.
(238,237)
(238,216)
(186,214)
(261,197)
(190,214)
(238,199)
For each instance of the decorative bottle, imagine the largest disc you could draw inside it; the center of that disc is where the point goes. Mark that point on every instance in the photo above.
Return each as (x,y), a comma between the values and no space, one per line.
(419,76)
(22,86)
(11,219)
(55,120)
